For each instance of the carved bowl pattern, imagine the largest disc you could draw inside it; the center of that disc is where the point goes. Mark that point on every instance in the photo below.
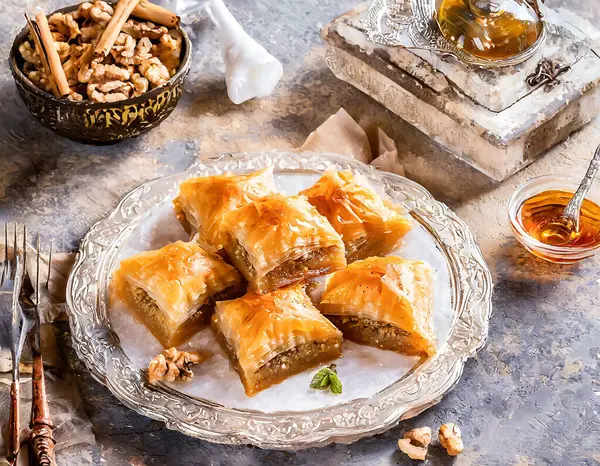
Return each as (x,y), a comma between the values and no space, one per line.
(99,348)
(99,123)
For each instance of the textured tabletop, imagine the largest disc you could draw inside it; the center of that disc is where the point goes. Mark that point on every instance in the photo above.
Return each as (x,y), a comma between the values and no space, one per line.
(531,396)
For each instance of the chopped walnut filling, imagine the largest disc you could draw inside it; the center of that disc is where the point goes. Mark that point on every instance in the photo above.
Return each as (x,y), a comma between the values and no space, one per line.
(172,365)
(146,50)
(450,438)
(415,443)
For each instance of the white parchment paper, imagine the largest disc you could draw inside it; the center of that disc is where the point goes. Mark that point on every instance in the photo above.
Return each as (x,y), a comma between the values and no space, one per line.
(363,370)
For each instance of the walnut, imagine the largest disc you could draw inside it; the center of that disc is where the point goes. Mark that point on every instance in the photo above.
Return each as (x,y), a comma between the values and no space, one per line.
(138,29)
(123,49)
(104,73)
(169,51)
(86,64)
(63,49)
(64,24)
(415,443)
(413,452)
(109,83)
(142,50)
(112,91)
(172,365)
(29,53)
(83,12)
(91,32)
(70,69)
(101,12)
(420,436)
(75,97)
(171,41)
(450,438)
(154,71)
(59,36)
(40,79)
(140,84)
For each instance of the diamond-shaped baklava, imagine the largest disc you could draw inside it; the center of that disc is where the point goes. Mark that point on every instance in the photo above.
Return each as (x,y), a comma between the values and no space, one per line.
(173,290)
(273,336)
(384,302)
(369,225)
(279,240)
(202,202)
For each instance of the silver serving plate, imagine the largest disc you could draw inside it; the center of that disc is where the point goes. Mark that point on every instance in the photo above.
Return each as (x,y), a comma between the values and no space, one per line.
(99,348)
(387,22)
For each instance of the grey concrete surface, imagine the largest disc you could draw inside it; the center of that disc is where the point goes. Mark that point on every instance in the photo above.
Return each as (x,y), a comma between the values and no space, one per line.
(530,397)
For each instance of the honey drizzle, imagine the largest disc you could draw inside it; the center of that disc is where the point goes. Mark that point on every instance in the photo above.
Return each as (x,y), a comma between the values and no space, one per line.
(537,212)
(497,36)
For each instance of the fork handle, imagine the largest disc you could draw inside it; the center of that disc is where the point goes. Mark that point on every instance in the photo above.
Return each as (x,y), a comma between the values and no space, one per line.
(13,444)
(42,429)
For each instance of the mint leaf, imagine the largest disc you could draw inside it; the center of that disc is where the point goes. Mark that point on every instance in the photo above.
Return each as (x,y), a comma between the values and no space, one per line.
(327,378)
(319,378)
(335,384)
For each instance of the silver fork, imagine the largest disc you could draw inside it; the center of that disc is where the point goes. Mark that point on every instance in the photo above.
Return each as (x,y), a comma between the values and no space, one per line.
(11,281)
(41,437)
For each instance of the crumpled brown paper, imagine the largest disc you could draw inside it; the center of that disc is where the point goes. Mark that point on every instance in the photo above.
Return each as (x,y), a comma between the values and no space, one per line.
(341,134)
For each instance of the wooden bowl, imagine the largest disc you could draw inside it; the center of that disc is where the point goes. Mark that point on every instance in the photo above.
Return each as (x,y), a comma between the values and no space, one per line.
(100,123)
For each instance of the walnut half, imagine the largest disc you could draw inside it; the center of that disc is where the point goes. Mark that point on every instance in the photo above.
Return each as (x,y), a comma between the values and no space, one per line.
(450,438)
(172,364)
(415,443)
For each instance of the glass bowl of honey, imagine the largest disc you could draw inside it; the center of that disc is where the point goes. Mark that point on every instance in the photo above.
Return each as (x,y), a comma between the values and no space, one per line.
(537,202)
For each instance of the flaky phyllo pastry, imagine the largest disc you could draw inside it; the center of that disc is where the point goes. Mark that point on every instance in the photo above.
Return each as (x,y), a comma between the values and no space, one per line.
(203,201)
(173,290)
(279,240)
(368,225)
(273,336)
(384,302)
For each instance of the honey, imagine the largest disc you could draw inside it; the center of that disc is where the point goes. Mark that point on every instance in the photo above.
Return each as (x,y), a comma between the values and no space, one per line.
(540,216)
(490,29)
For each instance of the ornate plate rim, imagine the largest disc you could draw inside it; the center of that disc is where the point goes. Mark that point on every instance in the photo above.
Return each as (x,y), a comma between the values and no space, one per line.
(98,347)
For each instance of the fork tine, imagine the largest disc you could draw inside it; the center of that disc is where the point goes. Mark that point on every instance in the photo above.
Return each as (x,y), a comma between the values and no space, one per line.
(5,253)
(25,246)
(37,271)
(15,246)
(49,265)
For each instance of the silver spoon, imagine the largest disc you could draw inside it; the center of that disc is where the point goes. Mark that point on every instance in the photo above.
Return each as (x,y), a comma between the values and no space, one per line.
(561,229)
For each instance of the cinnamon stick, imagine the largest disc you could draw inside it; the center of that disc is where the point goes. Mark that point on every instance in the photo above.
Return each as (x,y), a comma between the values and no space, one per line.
(156,14)
(122,12)
(39,48)
(51,54)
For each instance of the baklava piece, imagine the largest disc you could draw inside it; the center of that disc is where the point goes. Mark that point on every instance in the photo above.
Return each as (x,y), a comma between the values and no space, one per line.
(384,302)
(173,290)
(273,336)
(368,225)
(278,240)
(202,202)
